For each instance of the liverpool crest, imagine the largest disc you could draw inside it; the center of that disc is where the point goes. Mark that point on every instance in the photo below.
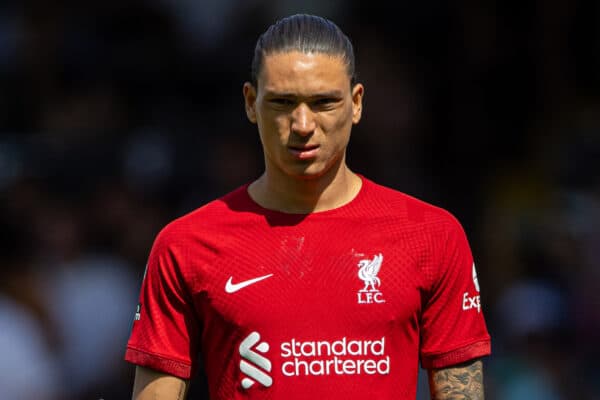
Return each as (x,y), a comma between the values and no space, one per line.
(367,272)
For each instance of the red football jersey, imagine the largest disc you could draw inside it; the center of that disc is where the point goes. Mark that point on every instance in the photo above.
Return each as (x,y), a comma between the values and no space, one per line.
(339,304)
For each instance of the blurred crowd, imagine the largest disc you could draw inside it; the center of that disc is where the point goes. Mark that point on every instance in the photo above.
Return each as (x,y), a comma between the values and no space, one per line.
(118,116)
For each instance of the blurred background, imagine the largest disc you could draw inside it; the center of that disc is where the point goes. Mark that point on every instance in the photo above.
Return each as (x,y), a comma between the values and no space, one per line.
(118,116)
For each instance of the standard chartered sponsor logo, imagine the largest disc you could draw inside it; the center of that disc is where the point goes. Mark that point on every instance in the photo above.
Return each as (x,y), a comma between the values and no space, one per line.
(338,357)
(312,358)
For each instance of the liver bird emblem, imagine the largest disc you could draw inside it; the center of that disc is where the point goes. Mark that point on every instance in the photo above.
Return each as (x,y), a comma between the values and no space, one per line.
(368,272)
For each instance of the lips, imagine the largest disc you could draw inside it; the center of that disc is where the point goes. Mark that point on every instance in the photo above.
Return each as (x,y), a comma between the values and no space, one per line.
(304,152)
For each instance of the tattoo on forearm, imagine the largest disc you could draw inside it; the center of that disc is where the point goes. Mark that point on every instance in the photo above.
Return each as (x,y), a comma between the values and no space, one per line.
(462,382)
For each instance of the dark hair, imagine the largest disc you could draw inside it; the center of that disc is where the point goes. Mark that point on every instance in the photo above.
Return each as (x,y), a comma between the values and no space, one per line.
(306,34)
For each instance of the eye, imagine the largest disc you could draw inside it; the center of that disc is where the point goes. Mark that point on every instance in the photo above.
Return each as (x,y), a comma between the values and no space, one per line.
(281,101)
(325,102)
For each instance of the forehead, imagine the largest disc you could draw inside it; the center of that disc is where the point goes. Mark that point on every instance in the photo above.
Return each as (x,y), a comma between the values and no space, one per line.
(303,73)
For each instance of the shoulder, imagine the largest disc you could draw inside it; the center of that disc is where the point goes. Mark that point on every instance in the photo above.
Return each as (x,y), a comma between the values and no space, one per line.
(397,204)
(207,219)
(187,244)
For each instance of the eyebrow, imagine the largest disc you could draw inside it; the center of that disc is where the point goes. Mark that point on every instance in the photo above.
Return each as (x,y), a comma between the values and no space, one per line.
(320,95)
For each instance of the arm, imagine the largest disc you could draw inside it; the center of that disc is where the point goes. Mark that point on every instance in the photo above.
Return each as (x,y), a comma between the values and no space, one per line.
(150,385)
(458,382)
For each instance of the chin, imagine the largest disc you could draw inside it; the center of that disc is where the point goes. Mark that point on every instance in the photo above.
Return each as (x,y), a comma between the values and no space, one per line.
(310,172)
(305,170)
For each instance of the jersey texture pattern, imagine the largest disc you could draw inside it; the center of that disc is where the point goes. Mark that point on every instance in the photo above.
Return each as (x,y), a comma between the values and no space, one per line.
(339,304)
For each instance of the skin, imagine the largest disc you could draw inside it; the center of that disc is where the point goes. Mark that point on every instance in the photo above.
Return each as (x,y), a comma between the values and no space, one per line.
(459,382)
(304,107)
(304,101)
(154,385)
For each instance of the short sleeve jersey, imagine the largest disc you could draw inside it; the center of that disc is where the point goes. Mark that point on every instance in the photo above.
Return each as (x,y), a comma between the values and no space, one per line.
(339,304)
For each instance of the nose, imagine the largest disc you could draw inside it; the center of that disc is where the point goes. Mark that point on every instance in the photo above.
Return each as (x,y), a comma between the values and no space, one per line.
(303,120)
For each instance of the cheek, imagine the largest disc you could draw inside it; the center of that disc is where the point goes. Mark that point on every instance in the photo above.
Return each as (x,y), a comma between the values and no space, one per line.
(274,133)
(271,123)
(341,123)
(281,123)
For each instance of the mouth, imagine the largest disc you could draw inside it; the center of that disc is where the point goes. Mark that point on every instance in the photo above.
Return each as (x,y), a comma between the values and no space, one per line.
(304,152)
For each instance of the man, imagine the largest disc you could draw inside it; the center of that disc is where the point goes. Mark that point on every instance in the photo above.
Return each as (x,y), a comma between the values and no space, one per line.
(312,281)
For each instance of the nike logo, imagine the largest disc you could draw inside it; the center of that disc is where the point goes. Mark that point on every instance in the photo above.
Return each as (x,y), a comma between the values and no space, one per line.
(231,287)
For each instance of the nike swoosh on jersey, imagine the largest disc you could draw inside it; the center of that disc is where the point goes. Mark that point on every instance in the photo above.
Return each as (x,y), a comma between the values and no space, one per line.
(231,287)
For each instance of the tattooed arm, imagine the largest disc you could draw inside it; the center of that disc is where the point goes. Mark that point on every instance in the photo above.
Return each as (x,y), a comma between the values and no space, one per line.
(151,385)
(458,382)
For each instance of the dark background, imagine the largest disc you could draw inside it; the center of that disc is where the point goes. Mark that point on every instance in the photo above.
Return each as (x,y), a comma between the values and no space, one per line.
(118,116)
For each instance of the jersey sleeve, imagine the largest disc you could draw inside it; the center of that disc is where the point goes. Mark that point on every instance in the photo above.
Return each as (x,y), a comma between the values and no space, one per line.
(165,324)
(453,328)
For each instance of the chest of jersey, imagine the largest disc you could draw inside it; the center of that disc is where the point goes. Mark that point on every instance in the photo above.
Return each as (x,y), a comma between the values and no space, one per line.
(306,303)
(314,280)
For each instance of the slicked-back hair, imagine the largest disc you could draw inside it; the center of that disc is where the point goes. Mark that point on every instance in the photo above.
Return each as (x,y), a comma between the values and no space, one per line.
(306,34)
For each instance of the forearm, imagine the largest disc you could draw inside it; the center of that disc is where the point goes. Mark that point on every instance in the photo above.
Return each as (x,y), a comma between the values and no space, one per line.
(459,382)
(152,385)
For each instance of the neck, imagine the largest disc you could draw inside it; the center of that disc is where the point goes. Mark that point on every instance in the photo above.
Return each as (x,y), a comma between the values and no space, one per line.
(300,195)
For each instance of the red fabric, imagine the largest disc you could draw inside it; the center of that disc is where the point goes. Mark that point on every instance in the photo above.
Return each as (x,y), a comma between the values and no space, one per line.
(457,356)
(158,363)
(326,330)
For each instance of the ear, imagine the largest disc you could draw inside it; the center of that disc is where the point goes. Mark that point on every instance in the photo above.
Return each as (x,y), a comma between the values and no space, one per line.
(249,92)
(357,95)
